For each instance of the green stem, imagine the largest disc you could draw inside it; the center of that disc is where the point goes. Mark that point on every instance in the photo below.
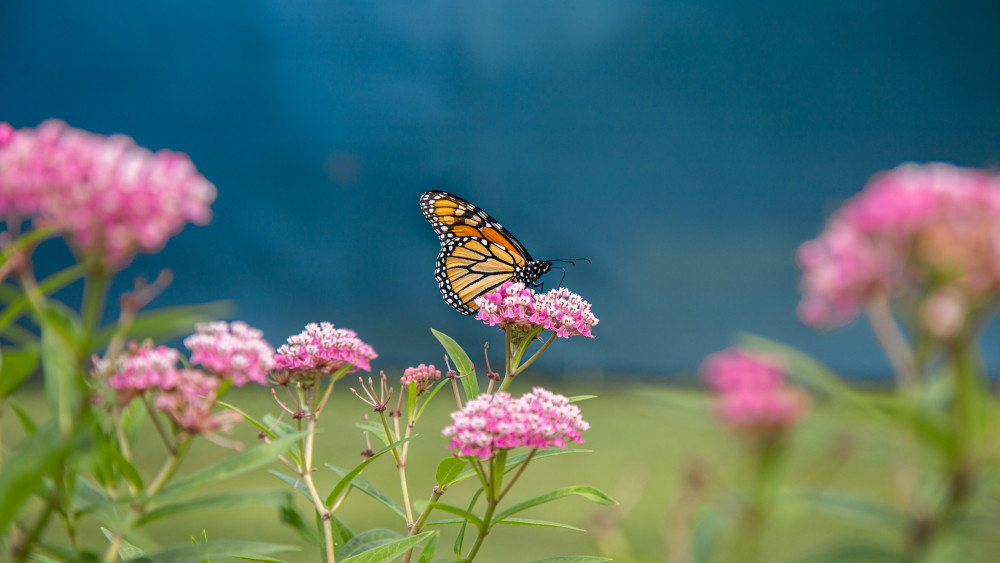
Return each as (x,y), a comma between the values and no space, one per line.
(496,466)
(306,475)
(893,341)
(24,550)
(94,293)
(513,479)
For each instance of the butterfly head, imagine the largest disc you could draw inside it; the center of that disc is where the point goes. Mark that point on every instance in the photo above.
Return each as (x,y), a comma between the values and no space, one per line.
(529,274)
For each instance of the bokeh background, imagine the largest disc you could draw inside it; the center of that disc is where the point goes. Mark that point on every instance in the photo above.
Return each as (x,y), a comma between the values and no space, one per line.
(686,148)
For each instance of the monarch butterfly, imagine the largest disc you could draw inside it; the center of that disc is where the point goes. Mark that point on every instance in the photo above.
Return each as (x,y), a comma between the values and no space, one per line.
(477,254)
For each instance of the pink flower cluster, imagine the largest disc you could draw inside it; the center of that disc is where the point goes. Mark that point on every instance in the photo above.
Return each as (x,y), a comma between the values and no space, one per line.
(539,419)
(322,349)
(111,197)
(143,369)
(423,375)
(190,400)
(234,351)
(559,310)
(910,228)
(751,394)
(188,395)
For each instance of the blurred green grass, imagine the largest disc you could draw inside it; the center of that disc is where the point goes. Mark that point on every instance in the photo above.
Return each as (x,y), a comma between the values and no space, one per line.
(649,442)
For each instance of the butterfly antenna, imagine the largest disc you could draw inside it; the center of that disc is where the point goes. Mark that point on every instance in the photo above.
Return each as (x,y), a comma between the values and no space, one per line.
(571,261)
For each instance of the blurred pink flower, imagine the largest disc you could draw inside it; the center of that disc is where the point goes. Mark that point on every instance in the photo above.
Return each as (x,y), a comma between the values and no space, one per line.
(539,419)
(910,227)
(423,375)
(751,394)
(111,197)
(321,349)
(189,402)
(142,369)
(559,310)
(234,351)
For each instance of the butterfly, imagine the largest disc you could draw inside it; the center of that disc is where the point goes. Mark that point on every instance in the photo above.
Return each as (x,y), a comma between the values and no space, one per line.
(477,254)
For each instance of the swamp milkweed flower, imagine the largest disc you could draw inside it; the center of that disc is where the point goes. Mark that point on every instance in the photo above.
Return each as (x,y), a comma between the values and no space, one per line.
(189,402)
(321,349)
(539,419)
(234,351)
(423,375)
(559,310)
(751,394)
(111,197)
(143,368)
(917,228)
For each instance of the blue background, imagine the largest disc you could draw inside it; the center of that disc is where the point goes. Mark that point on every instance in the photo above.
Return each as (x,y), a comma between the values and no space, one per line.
(686,148)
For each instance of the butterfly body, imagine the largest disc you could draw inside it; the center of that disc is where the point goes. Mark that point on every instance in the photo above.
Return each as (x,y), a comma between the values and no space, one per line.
(477,254)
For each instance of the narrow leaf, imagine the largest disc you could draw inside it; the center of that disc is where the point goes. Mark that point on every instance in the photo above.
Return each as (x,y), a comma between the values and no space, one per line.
(293,517)
(24,468)
(364,485)
(16,366)
(388,551)
(463,365)
(539,523)
(242,462)
(213,502)
(127,552)
(295,482)
(26,422)
(375,429)
(260,425)
(213,549)
(469,516)
(590,493)
(427,554)
(367,540)
(346,480)
(448,471)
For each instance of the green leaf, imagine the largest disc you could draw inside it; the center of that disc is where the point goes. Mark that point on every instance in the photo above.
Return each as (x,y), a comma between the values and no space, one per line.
(427,555)
(260,425)
(346,480)
(448,471)
(16,366)
(375,429)
(809,372)
(411,400)
(295,482)
(388,551)
(242,462)
(578,398)
(26,422)
(590,493)
(855,508)
(364,485)
(60,331)
(853,552)
(341,532)
(214,549)
(367,540)
(293,517)
(539,523)
(457,511)
(48,286)
(167,323)
(87,499)
(127,552)
(705,534)
(236,499)
(25,467)
(463,365)
(572,559)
